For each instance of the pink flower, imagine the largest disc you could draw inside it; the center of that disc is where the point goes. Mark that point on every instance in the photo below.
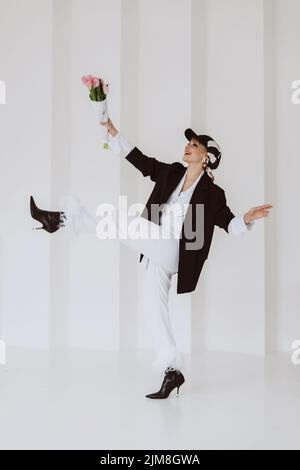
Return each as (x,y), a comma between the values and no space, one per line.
(87,81)
(95,82)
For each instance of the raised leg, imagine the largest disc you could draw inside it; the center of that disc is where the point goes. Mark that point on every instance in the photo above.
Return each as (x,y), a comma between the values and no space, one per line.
(153,240)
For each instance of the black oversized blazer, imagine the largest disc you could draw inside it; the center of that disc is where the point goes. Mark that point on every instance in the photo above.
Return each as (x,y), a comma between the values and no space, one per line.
(216,212)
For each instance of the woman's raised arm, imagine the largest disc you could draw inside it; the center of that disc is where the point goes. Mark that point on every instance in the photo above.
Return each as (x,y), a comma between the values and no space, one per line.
(148,166)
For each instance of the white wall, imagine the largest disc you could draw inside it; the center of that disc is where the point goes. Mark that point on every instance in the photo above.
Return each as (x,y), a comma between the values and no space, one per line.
(287,141)
(234,114)
(56,294)
(95,176)
(25,145)
(223,67)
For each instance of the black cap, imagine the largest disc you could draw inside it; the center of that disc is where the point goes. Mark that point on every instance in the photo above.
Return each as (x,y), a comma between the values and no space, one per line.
(211,145)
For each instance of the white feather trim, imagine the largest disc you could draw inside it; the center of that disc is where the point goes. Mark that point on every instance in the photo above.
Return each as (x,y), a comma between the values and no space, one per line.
(71,207)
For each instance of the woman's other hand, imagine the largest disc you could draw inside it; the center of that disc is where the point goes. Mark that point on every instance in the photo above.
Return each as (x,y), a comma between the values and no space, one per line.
(257,213)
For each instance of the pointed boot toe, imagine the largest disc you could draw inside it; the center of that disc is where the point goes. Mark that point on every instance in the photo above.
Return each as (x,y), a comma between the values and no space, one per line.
(154,395)
(173,379)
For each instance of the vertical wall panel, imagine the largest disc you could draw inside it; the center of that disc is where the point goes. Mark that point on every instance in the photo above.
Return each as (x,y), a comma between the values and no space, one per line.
(235,118)
(165,108)
(94,175)
(287,141)
(60,171)
(25,136)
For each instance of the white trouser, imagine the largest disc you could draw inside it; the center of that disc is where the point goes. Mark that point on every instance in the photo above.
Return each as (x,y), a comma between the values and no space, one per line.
(160,261)
(157,283)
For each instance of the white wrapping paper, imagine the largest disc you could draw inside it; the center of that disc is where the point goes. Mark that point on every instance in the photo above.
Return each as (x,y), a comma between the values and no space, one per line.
(101,111)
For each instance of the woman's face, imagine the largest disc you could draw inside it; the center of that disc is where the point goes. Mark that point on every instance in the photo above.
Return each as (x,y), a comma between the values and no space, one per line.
(194,152)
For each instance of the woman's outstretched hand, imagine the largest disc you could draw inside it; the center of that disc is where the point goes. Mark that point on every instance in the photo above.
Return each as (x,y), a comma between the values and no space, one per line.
(110,127)
(257,213)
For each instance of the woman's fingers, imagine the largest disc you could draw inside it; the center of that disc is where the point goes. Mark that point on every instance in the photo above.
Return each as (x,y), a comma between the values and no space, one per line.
(262,210)
(263,206)
(259,213)
(106,122)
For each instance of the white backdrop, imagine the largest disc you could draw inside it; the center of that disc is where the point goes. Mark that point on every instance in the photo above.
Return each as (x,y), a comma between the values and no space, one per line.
(222,67)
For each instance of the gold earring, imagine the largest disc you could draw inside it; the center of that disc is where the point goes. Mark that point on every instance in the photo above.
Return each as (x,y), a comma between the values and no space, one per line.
(204,164)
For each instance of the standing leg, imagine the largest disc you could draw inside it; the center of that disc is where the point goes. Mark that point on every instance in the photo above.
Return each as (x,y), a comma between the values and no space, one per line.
(157,285)
(161,262)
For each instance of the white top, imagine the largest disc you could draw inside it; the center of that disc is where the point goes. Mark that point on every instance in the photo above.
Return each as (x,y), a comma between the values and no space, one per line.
(176,207)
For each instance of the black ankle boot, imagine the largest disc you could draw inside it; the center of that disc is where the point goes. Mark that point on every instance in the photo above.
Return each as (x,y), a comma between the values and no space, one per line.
(51,221)
(173,378)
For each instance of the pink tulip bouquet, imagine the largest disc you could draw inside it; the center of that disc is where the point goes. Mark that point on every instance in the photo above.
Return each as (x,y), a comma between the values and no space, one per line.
(98,91)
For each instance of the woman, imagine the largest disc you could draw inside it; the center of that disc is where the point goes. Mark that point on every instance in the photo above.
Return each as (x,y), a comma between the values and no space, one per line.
(181,213)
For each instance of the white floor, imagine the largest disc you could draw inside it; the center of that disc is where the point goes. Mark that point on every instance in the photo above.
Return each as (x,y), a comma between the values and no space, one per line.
(96,400)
